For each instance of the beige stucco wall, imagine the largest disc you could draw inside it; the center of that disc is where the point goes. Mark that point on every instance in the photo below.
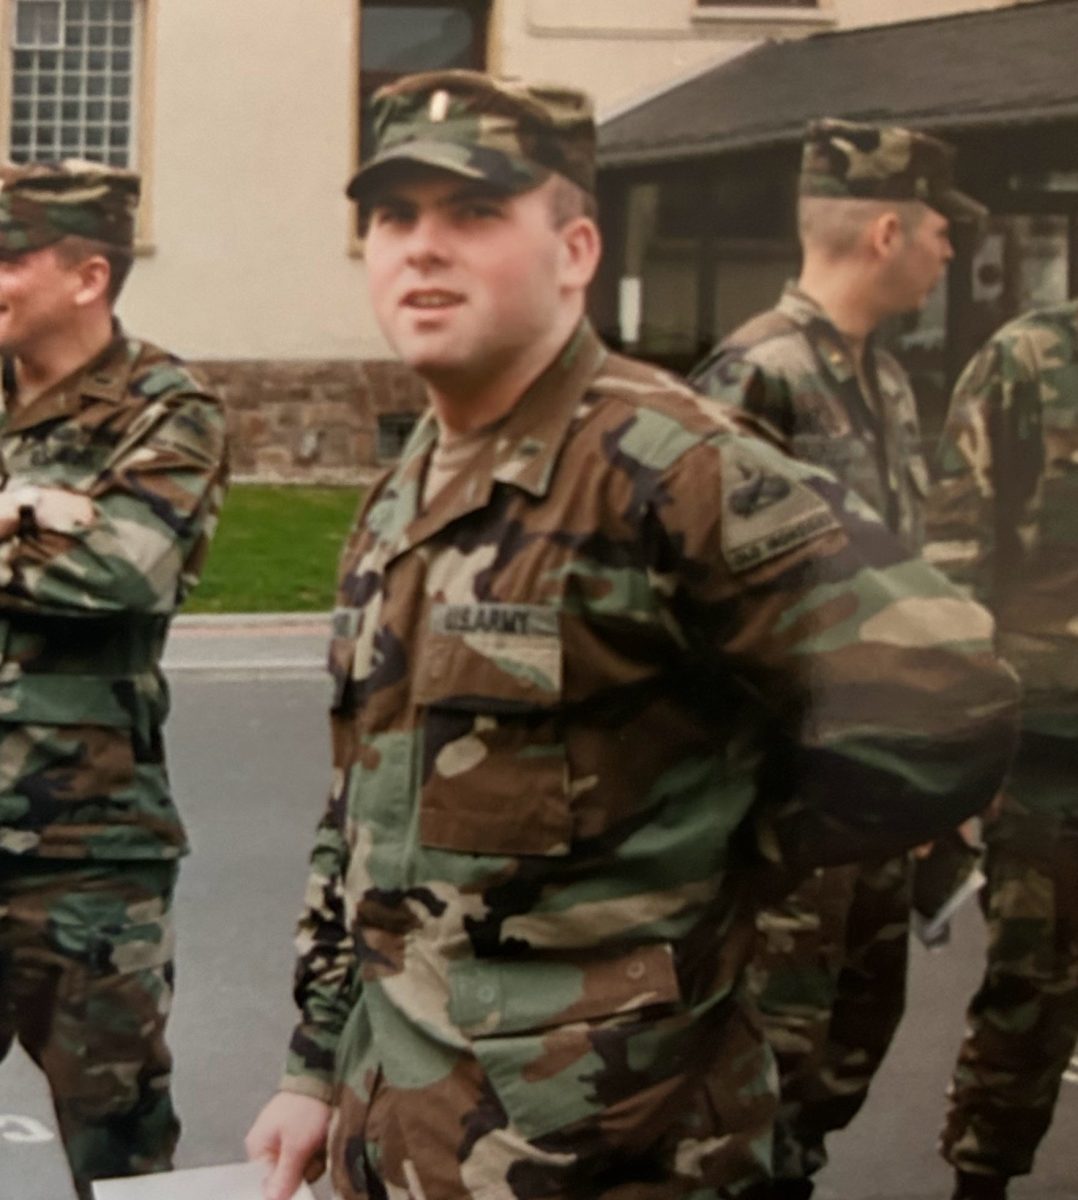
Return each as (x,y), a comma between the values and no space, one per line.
(253,131)
(252,147)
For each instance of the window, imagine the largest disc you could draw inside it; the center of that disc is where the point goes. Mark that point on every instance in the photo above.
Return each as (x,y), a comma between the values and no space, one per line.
(397,37)
(73,81)
(394,430)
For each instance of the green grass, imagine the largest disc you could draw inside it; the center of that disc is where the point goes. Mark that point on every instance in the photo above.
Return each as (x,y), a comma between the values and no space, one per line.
(276,550)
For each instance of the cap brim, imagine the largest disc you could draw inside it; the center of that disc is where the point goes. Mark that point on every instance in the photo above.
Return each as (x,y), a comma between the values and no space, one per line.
(476,162)
(957,206)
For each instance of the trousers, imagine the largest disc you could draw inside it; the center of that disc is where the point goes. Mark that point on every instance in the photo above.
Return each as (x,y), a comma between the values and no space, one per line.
(86,980)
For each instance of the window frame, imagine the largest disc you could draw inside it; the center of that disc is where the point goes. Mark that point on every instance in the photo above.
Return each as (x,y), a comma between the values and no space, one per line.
(142,99)
(763,12)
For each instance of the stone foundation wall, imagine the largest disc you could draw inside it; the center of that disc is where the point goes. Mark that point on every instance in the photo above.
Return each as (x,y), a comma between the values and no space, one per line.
(309,422)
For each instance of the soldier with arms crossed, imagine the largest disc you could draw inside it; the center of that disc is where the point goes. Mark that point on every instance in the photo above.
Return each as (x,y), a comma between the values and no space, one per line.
(113,468)
(565,677)
(1003,522)
(873,215)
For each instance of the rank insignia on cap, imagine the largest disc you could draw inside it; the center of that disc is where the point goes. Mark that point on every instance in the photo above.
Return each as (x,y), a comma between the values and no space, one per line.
(439,106)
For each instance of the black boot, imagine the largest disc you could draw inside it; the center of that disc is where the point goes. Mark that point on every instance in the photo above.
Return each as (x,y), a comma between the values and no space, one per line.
(971,1186)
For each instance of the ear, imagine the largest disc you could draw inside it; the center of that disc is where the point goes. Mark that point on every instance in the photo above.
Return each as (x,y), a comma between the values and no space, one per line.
(94,275)
(885,234)
(581,249)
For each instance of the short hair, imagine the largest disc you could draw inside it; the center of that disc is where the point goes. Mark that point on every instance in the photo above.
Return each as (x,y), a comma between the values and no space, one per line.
(72,250)
(834,224)
(568,200)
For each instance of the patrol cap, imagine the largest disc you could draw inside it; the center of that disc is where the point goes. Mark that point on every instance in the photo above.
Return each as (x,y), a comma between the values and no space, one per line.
(509,134)
(40,203)
(883,162)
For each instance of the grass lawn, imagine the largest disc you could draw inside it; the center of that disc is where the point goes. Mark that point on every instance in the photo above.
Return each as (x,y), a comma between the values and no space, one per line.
(276,550)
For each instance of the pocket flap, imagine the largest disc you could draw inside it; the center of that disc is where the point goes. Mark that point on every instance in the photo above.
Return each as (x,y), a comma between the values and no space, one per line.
(489,997)
(496,658)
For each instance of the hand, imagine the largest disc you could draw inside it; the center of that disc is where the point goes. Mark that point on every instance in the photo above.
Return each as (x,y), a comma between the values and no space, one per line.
(290,1135)
(63,511)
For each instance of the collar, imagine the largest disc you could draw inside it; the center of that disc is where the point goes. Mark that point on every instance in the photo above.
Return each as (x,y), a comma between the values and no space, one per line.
(830,345)
(522,453)
(104,378)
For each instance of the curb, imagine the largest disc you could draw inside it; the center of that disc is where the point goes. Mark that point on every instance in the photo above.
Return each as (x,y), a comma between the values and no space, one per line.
(301,620)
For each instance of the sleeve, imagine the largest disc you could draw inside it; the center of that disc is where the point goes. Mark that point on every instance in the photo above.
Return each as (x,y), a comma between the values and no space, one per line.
(324,987)
(326,982)
(888,719)
(960,535)
(156,503)
(974,509)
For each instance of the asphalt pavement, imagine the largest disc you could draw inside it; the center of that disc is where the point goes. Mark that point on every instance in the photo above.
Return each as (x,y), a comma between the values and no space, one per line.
(248,746)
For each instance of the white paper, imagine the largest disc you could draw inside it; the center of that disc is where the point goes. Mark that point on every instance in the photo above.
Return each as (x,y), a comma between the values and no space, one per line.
(239,1181)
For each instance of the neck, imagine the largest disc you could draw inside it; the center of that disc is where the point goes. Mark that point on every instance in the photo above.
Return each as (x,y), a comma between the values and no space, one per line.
(466,401)
(845,292)
(55,357)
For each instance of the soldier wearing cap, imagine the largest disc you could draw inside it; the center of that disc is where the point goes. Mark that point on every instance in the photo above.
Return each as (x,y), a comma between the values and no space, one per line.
(562,676)
(874,214)
(112,455)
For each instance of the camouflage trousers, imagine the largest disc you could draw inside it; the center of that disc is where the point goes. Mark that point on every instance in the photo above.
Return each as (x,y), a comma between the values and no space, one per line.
(85,986)
(829,977)
(1022,1024)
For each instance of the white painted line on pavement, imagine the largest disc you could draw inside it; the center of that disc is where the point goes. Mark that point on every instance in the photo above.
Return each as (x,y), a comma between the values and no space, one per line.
(29,1130)
(246,665)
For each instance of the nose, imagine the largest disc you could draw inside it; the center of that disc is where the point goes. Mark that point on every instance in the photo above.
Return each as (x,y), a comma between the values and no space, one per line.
(426,246)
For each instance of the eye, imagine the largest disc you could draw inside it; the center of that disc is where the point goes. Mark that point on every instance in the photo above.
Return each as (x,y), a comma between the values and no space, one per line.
(479,210)
(388,213)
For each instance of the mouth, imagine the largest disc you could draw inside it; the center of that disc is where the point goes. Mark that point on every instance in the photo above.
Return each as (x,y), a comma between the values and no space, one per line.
(431,299)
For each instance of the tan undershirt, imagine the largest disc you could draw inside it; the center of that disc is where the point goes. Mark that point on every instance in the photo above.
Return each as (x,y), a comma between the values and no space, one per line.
(452,455)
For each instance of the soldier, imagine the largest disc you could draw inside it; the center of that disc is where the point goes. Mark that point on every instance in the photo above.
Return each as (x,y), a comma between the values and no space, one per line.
(1002,523)
(113,468)
(874,212)
(565,677)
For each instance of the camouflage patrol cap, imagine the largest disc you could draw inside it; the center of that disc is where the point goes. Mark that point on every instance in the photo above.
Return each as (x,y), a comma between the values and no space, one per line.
(509,134)
(845,159)
(40,203)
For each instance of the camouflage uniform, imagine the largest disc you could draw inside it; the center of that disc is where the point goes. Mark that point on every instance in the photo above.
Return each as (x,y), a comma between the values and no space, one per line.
(89,837)
(830,973)
(560,692)
(1003,524)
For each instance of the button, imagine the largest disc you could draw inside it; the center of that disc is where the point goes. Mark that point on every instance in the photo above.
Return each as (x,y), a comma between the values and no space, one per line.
(487,993)
(636,970)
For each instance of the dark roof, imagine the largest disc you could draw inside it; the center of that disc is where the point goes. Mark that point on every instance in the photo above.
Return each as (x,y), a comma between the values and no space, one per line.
(1017,64)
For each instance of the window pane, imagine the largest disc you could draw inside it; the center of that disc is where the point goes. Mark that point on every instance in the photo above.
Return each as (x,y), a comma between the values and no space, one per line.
(80,60)
(401,38)
(37,22)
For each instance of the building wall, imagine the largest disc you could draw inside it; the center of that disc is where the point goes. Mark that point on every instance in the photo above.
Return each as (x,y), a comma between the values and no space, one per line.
(250,240)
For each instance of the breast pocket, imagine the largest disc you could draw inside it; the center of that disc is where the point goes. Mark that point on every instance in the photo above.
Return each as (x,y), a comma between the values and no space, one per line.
(489,679)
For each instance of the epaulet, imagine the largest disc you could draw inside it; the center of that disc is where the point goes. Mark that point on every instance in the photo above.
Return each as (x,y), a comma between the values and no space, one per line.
(762,328)
(157,373)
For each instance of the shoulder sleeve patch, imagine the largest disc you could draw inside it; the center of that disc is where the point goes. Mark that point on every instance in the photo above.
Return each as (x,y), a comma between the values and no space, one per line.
(767,510)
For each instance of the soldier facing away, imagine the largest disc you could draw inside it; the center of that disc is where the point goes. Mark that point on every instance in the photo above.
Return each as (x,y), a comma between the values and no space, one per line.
(113,469)
(1003,521)
(874,212)
(565,681)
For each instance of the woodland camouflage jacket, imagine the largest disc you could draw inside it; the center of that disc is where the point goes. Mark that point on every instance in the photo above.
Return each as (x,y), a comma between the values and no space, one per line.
(561,692)
(83,616)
